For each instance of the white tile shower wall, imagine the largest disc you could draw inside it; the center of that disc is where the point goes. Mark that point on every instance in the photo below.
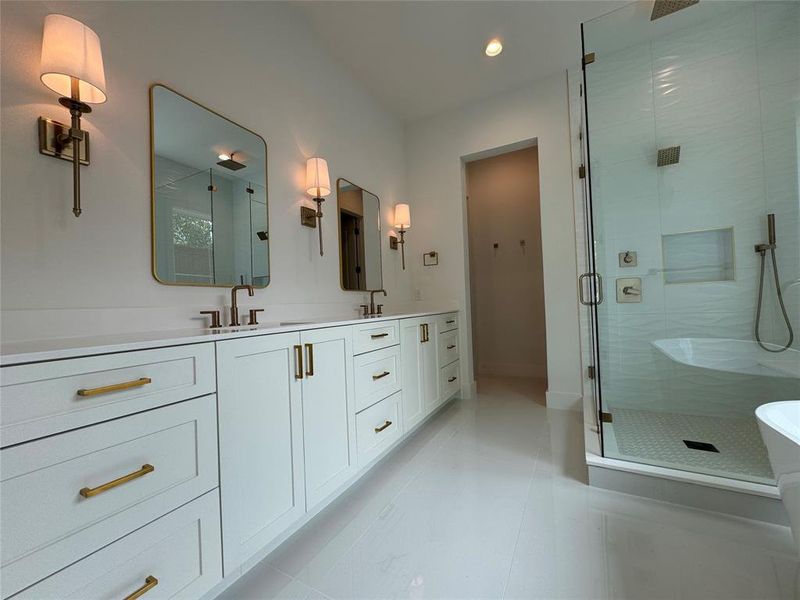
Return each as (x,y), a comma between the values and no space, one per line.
(728,92)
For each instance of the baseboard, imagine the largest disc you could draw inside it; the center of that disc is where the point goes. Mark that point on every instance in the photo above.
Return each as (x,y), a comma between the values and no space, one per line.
(469,390)
(563,400)
(512,370)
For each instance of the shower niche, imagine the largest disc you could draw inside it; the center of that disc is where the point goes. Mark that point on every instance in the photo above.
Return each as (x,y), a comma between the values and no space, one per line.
(699,256)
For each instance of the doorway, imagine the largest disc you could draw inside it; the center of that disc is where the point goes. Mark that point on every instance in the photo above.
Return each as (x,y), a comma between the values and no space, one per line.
(505,263)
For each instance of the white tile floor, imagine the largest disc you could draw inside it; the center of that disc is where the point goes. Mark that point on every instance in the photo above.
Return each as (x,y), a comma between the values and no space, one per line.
(489,501)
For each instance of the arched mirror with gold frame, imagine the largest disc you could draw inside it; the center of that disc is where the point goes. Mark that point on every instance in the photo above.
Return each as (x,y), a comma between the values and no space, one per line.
(359,223)
(210,223)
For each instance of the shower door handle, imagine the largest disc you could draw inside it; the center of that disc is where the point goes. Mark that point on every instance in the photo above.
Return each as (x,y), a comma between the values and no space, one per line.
(598,299)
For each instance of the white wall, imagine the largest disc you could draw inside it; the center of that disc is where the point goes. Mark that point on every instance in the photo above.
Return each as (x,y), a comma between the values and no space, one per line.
(434,149)
(508,337)
(257,64)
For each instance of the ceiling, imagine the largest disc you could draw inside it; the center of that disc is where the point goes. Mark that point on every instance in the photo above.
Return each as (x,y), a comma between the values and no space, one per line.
(422,57)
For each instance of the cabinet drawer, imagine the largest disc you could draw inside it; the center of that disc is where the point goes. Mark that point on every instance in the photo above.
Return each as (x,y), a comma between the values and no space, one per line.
(65,496)
(46,398)
(450,380)
(374,336)
(377,376)
(448,347)
(446,322)
(181,550)
(377,428)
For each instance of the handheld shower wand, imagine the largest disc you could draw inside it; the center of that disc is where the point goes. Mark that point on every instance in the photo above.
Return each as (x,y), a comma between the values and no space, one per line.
(771,229)
(762,250)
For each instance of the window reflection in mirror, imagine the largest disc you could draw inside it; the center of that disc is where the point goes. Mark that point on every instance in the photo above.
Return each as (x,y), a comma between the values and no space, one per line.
(359,237)
(209,196)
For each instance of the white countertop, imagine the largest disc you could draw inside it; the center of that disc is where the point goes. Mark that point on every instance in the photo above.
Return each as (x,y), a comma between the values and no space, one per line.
(14,353)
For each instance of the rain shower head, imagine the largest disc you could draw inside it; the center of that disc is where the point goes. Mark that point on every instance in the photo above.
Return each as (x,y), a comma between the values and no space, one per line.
(229,163)
(662,8)
(668,156)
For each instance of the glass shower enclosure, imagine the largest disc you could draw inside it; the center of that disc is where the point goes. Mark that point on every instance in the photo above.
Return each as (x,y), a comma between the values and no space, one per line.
(692,122)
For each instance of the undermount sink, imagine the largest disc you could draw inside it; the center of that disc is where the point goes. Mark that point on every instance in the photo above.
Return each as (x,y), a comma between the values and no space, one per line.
(779,423)
(734,356)
(286,323)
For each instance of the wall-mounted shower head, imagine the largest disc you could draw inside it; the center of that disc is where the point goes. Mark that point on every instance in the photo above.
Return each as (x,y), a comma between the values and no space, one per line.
(668,156)
(662,8)
(228,162)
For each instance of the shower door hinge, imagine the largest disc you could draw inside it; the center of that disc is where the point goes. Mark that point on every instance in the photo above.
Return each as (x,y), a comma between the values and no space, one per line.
(606,417)
(582,172)
(588,58)
(590,371)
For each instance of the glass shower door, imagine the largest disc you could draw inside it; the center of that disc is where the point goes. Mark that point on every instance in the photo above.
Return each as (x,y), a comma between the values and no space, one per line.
(692,136)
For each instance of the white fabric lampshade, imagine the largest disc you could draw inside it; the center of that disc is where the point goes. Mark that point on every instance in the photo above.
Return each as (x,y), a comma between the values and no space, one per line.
(402,216)
(70,49)
(318,182)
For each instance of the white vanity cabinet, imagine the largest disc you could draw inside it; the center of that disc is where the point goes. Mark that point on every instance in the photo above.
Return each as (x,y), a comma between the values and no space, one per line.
(286,431)
(160,470)
(259,382)
(96,450)
(328,411)
(420,369)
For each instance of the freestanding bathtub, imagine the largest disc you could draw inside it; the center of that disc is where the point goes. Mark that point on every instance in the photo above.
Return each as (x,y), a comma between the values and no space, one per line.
(780,427)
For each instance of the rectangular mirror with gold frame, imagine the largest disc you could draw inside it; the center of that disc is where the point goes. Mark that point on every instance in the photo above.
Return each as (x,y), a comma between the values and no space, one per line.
(359,216)
(209,196)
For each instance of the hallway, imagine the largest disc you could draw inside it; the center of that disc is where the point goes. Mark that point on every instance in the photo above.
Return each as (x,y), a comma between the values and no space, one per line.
(488,500)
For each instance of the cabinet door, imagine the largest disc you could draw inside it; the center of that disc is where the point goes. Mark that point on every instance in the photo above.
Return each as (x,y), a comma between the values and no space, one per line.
(429,361)
(261,442)
(412,335)
(328,411)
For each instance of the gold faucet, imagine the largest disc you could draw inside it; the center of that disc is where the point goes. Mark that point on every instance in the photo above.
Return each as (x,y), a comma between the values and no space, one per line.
(234,305)
(372,293)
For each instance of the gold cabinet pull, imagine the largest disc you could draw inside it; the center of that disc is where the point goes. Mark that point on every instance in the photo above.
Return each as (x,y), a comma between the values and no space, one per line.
(115,387)
(89,492)
(381,376)
(298,360)
(310,355)
(376,336)
(382,427)
(452,379)
(451,346)
(427,333)
(149,583)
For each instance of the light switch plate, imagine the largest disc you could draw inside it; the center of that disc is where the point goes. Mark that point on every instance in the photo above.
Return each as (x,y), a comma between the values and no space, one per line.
(629,290)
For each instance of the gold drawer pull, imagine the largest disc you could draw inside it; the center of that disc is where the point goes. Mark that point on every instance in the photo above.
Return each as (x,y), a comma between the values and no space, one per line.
(452,379)
(89,492)
(298,362)
(149,583)
(381,376)
(382,427)
(451,346)
(376,336)
(115,387)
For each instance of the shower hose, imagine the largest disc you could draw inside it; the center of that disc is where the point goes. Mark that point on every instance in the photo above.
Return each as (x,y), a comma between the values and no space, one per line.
(780,301)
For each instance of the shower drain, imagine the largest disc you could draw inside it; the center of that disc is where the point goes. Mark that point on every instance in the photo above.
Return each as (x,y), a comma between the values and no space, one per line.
(700,446)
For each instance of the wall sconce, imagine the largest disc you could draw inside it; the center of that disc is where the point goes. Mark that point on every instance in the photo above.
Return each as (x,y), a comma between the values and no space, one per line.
(402,221)
(72,65)
(318,185)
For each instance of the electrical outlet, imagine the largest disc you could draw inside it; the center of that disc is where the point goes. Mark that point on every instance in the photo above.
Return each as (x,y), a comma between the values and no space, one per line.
(417,294)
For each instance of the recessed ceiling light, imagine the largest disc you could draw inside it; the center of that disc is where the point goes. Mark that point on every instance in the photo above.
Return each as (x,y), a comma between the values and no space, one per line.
(224,157)
(494,47)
